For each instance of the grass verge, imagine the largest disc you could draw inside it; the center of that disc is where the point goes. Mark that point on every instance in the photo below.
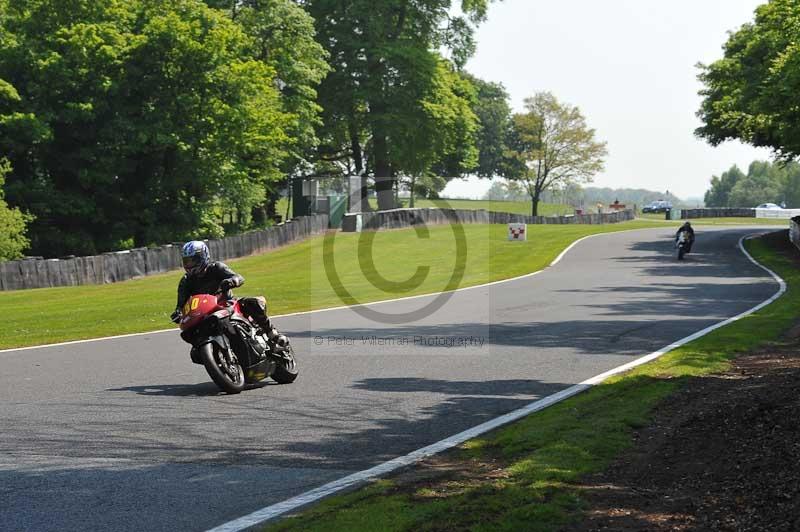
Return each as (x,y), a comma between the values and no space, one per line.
(526,476)
(294,279)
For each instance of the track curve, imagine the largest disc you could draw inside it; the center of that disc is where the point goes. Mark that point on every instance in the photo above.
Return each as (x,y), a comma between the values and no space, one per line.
(127,434)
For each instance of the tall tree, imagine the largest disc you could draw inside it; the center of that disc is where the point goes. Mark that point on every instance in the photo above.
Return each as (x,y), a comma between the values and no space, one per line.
(155,118)
(550,146)
(791,185)
(384,60)
(15,129)
(753,93)
(13,240)
(283,37)
(762,184)
(719,193)
(438,141)
(493,110)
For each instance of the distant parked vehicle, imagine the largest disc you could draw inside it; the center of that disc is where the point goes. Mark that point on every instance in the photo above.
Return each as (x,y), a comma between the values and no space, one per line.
(769,206)
(657,206)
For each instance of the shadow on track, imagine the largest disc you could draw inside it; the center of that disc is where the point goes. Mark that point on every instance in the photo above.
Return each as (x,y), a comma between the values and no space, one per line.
(333,435)
(204,389)
(583,337)
(399,431)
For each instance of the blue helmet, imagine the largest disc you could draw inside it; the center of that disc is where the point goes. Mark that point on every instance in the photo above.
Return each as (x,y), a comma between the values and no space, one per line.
(195,257)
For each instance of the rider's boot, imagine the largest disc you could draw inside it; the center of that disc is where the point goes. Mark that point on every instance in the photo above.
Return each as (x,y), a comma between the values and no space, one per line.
(280,340)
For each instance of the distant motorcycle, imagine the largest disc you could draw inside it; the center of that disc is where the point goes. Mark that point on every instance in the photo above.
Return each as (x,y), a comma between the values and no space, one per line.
(230,346)
(682,244)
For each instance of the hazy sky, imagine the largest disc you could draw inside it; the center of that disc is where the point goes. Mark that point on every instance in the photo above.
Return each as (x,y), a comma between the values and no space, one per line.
(630,67)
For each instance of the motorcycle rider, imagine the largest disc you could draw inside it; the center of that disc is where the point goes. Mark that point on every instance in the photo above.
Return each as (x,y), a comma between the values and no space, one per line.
(204,276)
(687,227)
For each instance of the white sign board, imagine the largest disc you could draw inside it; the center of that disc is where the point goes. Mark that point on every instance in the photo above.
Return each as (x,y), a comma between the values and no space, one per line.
(777,213)
(518,232)
(355,195)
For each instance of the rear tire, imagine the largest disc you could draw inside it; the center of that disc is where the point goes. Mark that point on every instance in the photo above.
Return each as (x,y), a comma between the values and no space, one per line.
(211,356)
(286,370)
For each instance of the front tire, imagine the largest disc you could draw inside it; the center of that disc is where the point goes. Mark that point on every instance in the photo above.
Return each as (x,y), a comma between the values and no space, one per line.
(286,370)
(212,358)
(681,252)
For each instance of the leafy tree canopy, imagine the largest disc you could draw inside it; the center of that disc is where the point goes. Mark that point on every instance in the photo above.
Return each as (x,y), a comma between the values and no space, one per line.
(551,146)
(719,193)
(283,36)
(753,92)
(764,182)
(494,114)
(13,240)
(138,120)
(385,68)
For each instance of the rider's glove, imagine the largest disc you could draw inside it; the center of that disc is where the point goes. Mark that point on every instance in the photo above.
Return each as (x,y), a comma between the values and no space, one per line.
(176,316)
(226,285)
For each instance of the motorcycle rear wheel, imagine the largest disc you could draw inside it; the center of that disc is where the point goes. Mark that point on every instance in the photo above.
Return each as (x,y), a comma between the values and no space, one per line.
(286,370)
(211,355)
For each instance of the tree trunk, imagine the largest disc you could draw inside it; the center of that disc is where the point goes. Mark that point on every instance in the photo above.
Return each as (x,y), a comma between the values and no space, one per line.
(271,204)
(377,120)
(413,182)
(358,160)
(259,214)
(535,203)
(383,171)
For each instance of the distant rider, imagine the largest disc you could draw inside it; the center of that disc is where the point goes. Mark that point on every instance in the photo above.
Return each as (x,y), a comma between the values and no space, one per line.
(687,227)
(204,276)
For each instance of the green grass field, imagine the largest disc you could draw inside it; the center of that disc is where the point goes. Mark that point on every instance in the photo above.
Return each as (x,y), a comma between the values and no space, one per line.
(293,279)
(527,476)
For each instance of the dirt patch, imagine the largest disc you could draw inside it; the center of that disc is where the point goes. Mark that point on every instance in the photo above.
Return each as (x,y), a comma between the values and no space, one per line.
(444,475)
(721,454)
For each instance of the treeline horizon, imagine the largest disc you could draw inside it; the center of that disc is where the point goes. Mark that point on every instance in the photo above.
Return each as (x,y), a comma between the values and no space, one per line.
(587,196)
(764,182)
(127,123)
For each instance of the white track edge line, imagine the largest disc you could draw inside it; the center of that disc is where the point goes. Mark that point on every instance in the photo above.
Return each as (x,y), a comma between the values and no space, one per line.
(537,272)
(275,510)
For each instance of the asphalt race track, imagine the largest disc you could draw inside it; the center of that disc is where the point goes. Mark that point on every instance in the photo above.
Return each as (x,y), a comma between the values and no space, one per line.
(128,434)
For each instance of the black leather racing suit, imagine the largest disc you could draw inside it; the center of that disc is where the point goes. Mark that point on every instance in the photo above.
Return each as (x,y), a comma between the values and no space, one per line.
(209,283)
(690,233)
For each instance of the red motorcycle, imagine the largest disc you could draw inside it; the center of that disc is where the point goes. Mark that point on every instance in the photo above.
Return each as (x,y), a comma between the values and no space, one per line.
(230,346)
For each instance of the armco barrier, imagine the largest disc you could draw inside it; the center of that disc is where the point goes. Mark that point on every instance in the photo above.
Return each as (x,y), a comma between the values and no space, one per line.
(794,231)
(400,218)
(122,265)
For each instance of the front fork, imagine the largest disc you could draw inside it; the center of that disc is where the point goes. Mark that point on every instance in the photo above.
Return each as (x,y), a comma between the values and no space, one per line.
(227,357)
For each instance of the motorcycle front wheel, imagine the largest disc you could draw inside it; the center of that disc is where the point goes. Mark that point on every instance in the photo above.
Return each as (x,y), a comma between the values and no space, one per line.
(286,370)
(229,377)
